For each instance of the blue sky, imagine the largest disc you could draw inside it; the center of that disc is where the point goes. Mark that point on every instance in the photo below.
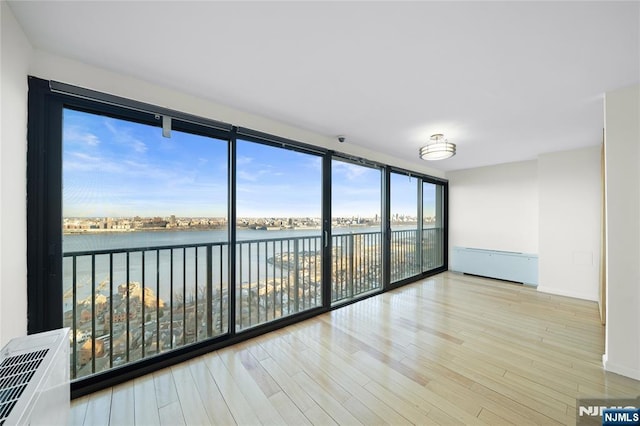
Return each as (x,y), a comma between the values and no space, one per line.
(275,182)
(355,190)
(117,168)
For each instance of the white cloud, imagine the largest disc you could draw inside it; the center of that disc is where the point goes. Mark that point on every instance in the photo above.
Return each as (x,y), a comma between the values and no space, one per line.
(123,136)
(244,175)
(350,171)
(73,134)
(243,160)
(255,175)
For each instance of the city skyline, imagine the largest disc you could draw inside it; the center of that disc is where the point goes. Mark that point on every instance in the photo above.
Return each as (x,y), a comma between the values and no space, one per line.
(224,218)
(118,168)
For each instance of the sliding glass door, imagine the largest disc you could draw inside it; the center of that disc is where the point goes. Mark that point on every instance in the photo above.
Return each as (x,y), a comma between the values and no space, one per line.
(158,236)
(356,227)
(432,226)
(278,229)
(405,250)
(145,239)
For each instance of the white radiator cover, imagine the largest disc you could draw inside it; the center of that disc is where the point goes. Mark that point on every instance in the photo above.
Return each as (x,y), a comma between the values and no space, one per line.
(34,379)
(504,265)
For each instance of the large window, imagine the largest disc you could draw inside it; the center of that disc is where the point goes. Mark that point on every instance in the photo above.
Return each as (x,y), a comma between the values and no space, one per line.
(356,225)
(156,236)
(279,236)
(417,221)
(145,239)
(432,226)
(405,250)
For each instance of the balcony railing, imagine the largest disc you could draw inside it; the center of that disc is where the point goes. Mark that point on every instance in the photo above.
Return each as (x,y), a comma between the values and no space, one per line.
(128,304)
(356,265)
(277,278)
(168,296)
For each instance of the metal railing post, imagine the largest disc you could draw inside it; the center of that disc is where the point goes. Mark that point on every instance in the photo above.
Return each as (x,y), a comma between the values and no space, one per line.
(350,254)
(296,275)
(209,298)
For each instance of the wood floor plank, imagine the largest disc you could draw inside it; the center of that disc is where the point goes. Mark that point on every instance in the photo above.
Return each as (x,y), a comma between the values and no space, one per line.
(193,407)
(262,378)
(465,397)
(165,387)
(413,392)
(367,415)
(233,396)
(338,362)
(289,411)
(491,418)
(450,349)
(318,416)
(289,386)
(146,412)
(414,413)
(254,346)
(122,404)
(365,406)
(546,406)
(171,414)
(567,398)
(78,411)
(508,408)
(251,390)
(325,400)
(98,408)
(213,401)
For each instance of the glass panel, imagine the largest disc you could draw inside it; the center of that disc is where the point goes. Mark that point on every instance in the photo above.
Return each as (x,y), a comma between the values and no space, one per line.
(356,228)
(432,226)
(145,240)
(279,247)
(405,259)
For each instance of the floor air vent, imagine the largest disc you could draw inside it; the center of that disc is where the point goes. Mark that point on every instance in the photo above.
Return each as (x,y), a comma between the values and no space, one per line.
(34,379)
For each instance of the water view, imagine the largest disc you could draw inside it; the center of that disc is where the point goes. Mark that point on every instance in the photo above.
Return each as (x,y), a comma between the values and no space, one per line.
(146,256)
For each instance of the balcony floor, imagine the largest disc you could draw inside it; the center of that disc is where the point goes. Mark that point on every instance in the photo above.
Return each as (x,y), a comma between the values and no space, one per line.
(448,349)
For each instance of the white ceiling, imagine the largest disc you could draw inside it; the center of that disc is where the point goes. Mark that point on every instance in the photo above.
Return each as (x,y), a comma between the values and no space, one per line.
(505,81)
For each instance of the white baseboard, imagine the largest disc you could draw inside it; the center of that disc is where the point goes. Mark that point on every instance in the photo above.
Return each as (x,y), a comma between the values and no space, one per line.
(633,373)
(575,295)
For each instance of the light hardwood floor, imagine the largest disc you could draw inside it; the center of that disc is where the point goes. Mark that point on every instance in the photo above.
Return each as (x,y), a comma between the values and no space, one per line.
(451,349)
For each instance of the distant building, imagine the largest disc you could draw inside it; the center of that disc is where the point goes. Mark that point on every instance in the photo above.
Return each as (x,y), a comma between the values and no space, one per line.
(86,351)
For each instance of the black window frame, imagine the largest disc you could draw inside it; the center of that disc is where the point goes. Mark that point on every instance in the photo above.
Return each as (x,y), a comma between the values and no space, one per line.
(46,102)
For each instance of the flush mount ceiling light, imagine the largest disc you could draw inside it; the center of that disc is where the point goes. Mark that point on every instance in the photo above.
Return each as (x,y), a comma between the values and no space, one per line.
(438,149)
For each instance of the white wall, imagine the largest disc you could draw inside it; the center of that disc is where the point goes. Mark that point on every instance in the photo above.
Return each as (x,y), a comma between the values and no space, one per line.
(15,55)
(622,145)
(550,207)
(570,223)
(494,207)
